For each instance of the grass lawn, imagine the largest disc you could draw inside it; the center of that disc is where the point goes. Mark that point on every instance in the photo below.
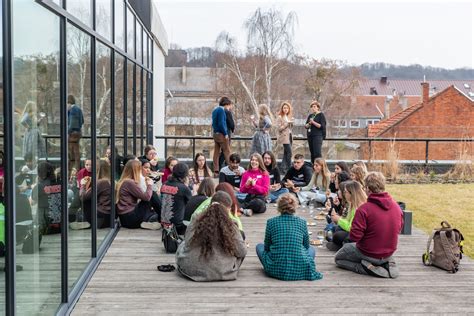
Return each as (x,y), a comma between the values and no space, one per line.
(433,203)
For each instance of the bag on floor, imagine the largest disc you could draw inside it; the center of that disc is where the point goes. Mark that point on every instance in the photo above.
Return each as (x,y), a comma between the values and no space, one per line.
(447,248)
(170,238)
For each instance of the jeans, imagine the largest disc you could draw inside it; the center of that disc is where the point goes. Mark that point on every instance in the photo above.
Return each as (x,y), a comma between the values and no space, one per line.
(274,195)
(260,248)
(286,161)
(350,258)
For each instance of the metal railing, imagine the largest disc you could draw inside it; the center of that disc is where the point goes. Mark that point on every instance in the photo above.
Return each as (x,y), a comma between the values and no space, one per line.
(370,141)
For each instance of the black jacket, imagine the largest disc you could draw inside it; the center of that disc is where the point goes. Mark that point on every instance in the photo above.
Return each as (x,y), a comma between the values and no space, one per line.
(313,130)
(300,178)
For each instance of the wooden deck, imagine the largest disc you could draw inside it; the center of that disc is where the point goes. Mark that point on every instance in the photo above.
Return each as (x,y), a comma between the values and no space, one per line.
(127,282)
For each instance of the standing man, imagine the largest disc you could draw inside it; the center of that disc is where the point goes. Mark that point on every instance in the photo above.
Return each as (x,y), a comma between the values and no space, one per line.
(374,233)
(75,120)
(229,119)
(220,133)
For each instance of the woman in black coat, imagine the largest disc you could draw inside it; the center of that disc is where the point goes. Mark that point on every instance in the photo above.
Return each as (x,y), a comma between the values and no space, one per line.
(316,126)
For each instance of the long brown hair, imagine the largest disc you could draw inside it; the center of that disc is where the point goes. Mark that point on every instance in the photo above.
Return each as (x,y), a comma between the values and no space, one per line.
(261,165)
(358,174)
(131,171)
(214,228)
(227,187)
(264,110)
(196,168)
(325,173)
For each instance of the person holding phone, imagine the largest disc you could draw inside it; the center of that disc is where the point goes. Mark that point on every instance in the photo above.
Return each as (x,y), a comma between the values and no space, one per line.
(285,122)
(316,130)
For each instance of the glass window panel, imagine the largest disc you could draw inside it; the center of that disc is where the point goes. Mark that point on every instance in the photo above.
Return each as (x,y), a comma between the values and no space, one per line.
(145,49)
(119,111)
(145,106)
(130,107)
(81,9)
(138,110)
(38,196)
(2,171)
(79,150)
(119,24)
(130,33)
(104,18)
(103,121)
(139,43)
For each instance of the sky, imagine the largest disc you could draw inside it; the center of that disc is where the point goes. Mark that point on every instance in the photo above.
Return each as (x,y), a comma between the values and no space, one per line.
(430,33)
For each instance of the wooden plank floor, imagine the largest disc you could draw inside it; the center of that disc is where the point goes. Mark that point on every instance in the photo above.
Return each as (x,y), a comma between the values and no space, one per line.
(128,283)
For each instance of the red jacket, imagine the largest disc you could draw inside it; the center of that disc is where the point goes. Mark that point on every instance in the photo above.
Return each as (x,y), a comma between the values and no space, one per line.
(376,226)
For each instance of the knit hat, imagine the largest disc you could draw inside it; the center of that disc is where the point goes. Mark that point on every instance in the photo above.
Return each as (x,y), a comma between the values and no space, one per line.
(180,171)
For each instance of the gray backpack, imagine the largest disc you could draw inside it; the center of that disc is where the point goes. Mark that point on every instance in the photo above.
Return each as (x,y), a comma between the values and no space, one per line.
(447,248)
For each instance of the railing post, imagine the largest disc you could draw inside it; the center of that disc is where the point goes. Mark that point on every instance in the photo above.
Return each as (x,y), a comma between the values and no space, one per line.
(370,152)
(194,147)
(426,153)
(166,148)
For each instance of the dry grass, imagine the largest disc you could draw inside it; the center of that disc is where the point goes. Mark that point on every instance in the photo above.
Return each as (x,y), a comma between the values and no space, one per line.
(433,203)
(464,168)
(391,167)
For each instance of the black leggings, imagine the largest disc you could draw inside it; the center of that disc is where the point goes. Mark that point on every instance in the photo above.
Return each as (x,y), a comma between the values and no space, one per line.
(315,143)
(340,237)
(141,213)
(286,157)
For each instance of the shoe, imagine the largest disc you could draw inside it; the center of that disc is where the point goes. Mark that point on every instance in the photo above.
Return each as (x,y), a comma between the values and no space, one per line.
(79,225)
(150,225)
(332,246)
(247,212)
(392,268)
(374,270)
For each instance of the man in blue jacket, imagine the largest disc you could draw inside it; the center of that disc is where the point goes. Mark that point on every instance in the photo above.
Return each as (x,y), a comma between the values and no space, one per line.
(75,120)
(220,133)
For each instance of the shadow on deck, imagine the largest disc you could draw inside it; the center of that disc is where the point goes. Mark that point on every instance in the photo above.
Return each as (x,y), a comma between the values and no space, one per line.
(127,282)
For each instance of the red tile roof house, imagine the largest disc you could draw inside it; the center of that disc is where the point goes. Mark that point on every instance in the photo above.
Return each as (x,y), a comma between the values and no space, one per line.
(446,114)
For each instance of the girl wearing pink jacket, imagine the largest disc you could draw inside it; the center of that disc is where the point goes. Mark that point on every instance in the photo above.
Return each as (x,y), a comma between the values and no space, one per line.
(256,183)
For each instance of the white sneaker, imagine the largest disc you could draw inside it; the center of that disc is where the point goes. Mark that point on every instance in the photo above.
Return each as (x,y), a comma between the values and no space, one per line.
(79,225)
(150,225)
(247,212)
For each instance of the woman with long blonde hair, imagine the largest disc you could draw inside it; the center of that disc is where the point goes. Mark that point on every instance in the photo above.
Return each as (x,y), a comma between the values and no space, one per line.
(358,174)
(262,140)
(132,213)
(319,184)
(33,142)
(285,122)
(355,196)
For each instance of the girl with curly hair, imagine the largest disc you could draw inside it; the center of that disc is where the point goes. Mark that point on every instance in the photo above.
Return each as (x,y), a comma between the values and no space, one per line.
(213,249)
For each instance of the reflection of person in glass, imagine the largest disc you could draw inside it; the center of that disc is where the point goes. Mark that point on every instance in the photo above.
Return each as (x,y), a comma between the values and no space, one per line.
(316,126)
(33,144)
(75,120)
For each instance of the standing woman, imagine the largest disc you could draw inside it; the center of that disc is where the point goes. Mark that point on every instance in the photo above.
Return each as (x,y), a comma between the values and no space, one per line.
(285,122)
(316,126)
(262,140)
(33,143)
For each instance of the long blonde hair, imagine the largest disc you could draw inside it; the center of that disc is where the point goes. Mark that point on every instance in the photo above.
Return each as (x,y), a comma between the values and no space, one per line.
(131,171)
(264,110)
(358,196)
(358,174)
(325,173)
(30,108)
(261,165)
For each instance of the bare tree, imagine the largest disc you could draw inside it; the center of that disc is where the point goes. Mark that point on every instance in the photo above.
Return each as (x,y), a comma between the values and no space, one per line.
(270,36)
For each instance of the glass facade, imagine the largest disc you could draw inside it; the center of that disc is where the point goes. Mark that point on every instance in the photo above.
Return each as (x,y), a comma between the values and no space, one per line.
(76,85)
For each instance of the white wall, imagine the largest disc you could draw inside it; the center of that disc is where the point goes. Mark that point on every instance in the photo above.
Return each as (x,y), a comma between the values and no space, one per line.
(160,49)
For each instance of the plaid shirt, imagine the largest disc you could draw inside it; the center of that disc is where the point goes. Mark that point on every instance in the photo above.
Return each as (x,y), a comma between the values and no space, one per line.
(286,249)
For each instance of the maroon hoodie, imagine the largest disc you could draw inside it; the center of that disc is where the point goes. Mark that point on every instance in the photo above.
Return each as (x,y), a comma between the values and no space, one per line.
(376,226)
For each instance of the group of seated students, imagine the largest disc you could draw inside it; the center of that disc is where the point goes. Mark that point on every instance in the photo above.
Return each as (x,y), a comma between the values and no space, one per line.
(363,219)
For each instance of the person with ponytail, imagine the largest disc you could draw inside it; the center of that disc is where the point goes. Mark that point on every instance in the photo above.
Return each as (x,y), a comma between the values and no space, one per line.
(213,248)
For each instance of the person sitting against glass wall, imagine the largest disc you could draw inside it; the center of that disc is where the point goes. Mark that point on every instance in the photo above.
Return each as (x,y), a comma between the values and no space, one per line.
(355,196)
(319,184)
(155,200)
(338,168)
(232,174)
(175,194)
(104,192)
(200,170)
(286,253)
(275,181)
(151,155)
(168,170)
(297,176)
(118,161)
(205,191)
(213,249)
(256,183)
(133,205)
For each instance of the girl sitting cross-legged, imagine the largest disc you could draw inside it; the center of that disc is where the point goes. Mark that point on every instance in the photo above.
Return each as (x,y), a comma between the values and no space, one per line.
(286,253)
(213,249)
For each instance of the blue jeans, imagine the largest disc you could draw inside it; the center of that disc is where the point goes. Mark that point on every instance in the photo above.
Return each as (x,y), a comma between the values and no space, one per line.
(274,195)
(260,248)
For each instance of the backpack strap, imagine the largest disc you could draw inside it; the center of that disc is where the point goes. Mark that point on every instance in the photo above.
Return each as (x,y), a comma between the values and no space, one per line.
(448,250)
(426,256)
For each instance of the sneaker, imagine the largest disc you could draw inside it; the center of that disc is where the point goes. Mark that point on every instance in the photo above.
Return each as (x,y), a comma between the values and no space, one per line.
(79,225)
(392,269)
(247,212)
(150,225)
(374,270)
